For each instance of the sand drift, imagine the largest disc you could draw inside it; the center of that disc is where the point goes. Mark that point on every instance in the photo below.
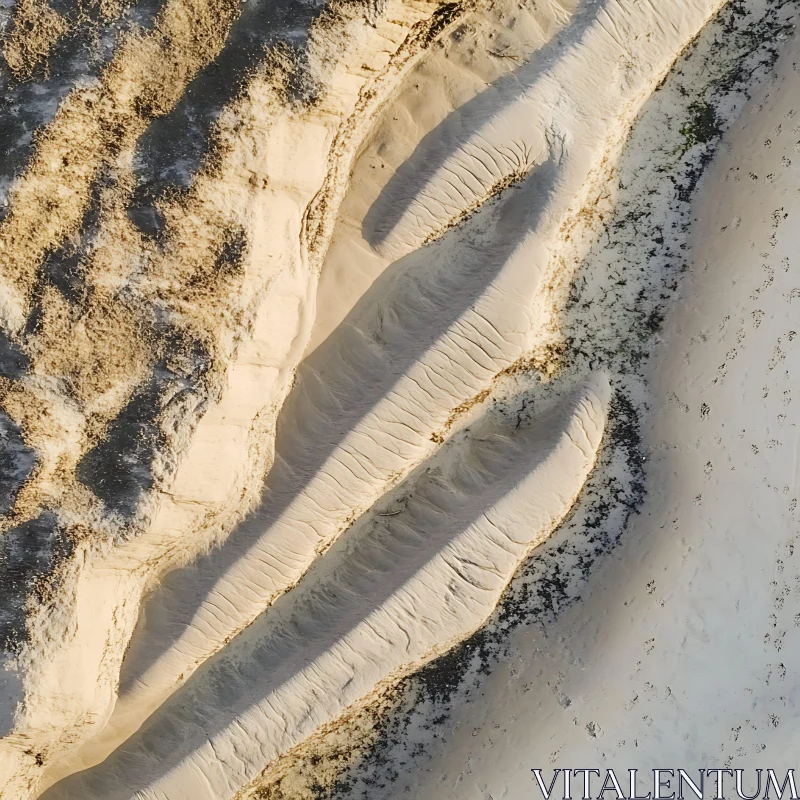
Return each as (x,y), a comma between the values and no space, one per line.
(282,434)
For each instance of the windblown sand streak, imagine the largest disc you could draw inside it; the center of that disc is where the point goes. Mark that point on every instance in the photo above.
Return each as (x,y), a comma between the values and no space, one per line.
(465,358)
(374,401)
(203,331)
(364,617)
(202,292)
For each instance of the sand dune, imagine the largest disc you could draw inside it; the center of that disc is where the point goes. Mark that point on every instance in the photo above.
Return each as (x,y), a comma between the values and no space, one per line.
(286,432)
(706,574)
(344,443)
(366,611)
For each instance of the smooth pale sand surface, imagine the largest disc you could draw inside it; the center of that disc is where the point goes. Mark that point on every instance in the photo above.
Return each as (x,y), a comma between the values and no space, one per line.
(399,590)
(423,436)
(369,405)
(684,649)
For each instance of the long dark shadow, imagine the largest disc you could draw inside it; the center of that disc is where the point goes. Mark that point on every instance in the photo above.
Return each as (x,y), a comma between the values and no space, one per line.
(343,588)
(450,135)
(341,382)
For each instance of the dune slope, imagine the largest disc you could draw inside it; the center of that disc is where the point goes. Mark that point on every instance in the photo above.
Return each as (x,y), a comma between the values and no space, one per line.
(282,434)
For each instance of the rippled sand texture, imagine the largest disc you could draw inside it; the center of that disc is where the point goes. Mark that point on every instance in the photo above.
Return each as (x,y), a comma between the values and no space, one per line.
(291,382)
(683,648)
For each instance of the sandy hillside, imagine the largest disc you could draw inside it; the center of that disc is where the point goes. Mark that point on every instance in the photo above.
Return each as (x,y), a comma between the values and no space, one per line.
(318,319)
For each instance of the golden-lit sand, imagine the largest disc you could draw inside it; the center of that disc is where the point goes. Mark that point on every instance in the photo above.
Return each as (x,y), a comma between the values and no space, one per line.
(295,442)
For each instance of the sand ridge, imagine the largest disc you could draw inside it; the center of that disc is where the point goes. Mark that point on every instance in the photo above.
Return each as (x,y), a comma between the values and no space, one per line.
(207,331)
(179,267)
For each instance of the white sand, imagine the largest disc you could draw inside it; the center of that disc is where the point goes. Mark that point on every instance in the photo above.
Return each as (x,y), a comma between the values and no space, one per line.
(365,613)
(683,649)
(399,501)
(343,441)
(437,332)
